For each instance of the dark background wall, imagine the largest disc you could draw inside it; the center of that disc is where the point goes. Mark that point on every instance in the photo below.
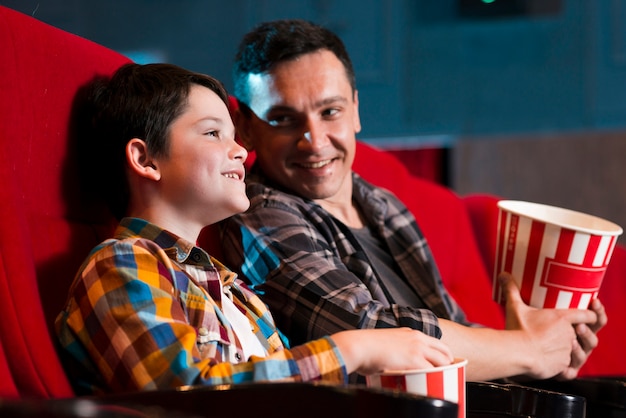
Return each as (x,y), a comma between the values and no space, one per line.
(424,67)
(527,97)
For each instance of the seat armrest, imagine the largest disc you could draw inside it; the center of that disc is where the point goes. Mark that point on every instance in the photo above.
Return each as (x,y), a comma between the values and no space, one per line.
(276,400)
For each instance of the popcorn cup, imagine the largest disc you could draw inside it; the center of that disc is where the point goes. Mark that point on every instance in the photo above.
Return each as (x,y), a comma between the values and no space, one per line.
(557,256)
(444,382)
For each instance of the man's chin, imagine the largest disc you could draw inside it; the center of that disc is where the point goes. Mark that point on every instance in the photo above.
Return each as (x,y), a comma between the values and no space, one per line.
(311,187)
(316,194)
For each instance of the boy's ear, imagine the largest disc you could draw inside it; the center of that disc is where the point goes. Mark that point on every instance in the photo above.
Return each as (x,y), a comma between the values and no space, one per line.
(139,161)
(242,127)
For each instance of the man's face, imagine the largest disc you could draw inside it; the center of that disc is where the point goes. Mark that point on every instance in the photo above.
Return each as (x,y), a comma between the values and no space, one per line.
(304,125)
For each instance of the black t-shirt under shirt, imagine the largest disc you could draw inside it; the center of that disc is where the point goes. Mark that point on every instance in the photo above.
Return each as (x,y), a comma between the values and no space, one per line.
(390,278)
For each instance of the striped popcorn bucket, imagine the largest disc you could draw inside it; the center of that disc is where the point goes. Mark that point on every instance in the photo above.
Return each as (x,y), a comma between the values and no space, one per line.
(556,256)
(445,382)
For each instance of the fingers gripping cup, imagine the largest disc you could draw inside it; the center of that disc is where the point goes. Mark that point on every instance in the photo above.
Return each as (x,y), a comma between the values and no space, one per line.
(557,256)
(445,382)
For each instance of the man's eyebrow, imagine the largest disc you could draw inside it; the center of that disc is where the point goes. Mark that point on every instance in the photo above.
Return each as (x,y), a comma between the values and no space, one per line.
(281,108)
(332,100)
(324,102)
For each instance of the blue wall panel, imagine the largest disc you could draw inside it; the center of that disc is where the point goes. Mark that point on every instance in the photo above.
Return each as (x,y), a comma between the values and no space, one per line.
(424,72)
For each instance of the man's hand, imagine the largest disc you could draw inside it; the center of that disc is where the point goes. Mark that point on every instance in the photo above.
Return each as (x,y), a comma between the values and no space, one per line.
(560,339)
(586,340)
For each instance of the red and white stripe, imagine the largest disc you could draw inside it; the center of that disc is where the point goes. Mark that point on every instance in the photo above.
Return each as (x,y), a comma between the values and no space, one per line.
(447,383)
(557,267)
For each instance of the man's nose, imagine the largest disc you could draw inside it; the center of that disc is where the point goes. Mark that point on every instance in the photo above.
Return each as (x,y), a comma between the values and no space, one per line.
(314,137)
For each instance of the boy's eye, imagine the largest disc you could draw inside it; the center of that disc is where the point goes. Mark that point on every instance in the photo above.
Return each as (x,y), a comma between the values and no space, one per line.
(212,133)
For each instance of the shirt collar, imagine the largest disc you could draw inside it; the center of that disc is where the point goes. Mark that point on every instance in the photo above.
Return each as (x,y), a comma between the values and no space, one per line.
(177,248)
(369,199)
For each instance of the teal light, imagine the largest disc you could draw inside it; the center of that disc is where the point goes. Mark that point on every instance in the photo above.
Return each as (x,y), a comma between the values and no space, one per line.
(488,1)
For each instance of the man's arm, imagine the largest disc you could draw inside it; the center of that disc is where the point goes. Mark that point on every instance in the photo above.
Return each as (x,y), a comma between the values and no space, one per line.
(298,272)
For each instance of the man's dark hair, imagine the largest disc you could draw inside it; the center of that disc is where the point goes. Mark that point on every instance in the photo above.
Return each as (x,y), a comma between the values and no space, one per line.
(138,101)
(271,43)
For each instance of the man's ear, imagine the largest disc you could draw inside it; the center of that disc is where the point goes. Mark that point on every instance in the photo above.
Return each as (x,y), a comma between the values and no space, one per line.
(357,118)
(242,128)
(139,161)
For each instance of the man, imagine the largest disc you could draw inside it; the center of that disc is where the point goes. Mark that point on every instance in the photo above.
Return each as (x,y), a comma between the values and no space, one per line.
(327,251)
(148,309)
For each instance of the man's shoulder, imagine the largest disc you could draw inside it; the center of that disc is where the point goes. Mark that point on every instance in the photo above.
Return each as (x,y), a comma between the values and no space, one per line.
(368,193)
(264,196)
(271,207)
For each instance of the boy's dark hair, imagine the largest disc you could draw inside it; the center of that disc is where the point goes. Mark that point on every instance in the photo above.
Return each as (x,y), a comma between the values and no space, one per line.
(138,101)
(273,42)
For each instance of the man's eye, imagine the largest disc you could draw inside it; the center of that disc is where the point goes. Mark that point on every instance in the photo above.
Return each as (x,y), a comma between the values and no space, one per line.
(330,112)
(280,121)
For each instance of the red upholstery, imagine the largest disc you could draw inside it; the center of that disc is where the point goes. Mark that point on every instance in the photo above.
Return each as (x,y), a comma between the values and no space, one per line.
(8,390)
(426,163)
(45,231)
(484,216)
(607,359)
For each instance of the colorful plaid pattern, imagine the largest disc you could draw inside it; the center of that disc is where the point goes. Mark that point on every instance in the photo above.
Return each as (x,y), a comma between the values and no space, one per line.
(314,274)
(144,312)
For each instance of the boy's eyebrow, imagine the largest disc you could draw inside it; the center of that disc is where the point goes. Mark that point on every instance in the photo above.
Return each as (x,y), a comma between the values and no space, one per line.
(210,119)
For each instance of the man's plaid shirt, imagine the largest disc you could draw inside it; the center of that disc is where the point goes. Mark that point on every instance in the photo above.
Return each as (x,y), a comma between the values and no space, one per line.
(311,271)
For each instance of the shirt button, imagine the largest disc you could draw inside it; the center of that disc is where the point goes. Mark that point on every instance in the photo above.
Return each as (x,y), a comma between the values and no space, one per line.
(203,335)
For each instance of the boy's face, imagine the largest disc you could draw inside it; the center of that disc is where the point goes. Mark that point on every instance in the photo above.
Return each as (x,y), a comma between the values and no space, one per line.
(202,176)
(304,125)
